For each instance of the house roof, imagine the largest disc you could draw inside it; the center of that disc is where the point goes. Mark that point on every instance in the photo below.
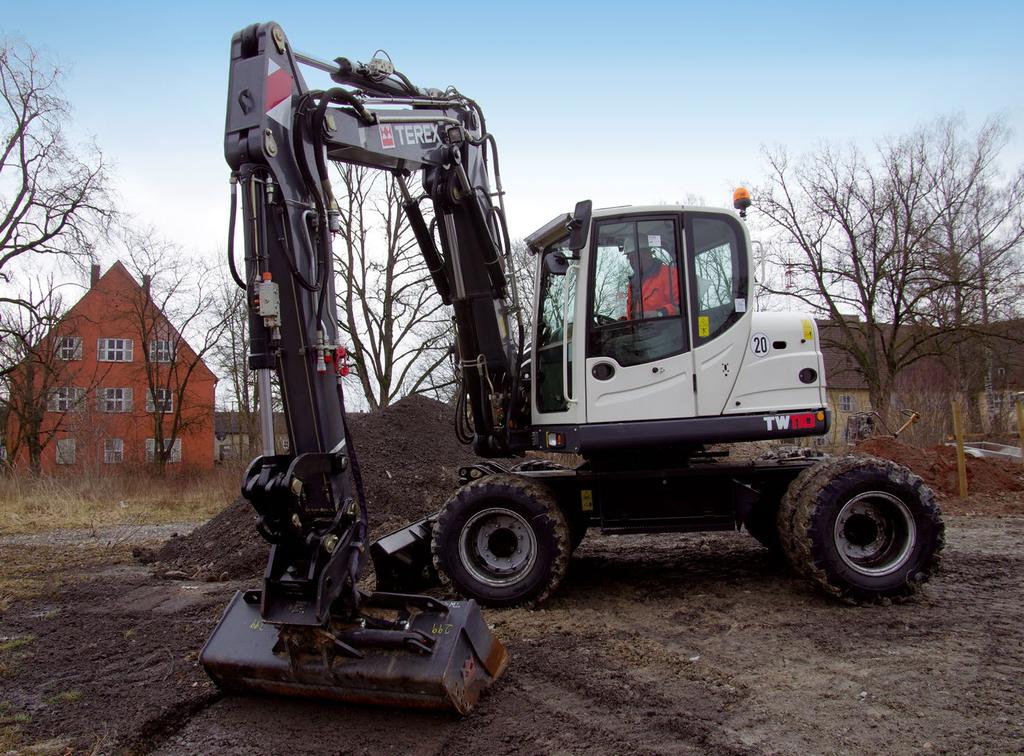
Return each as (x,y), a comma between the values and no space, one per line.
(1005,351)
(117,281)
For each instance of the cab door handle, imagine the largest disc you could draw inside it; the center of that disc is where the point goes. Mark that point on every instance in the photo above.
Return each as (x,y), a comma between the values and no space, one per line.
(602,371)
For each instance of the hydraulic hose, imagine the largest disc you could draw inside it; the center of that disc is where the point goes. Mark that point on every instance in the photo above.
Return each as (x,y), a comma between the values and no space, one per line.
(231,233)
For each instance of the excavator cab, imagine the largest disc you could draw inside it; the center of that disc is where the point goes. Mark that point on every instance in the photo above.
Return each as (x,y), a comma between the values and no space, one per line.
(650,321)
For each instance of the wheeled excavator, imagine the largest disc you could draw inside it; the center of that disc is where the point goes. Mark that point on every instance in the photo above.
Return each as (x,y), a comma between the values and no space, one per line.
(641,348)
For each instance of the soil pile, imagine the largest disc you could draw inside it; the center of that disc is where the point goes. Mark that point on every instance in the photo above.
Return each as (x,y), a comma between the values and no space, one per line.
(937,466)
(409,459)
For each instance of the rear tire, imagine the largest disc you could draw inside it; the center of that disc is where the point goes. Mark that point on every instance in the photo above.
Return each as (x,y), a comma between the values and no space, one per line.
(861,529)
(502,540)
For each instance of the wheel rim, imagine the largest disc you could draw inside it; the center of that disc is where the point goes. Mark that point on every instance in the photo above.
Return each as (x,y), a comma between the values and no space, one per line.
(874,533)
(498,547)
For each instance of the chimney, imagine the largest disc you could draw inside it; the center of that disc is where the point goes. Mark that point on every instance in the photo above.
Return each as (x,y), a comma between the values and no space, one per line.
(94,276)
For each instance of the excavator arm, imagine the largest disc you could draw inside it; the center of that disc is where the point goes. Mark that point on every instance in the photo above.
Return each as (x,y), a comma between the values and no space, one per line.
(280,140)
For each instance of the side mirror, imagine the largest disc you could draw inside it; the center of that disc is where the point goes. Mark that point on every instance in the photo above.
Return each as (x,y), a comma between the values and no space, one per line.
(556,264)
(579,226)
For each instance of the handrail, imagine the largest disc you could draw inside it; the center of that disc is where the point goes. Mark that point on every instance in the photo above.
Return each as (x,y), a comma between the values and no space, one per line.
(565,331)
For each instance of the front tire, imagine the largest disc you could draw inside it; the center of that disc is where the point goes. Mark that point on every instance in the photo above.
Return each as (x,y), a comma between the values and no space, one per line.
(861,528)
(502,540)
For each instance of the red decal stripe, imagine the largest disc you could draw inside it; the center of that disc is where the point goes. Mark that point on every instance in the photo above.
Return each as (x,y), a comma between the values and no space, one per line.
(279,88)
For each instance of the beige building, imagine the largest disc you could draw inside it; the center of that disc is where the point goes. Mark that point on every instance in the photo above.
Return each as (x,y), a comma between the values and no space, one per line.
(995,377)
(236,440)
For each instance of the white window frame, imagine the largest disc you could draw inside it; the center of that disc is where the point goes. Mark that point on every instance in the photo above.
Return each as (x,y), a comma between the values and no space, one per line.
(65,399)
(166,403)
(69,348)
(161,350)
(151,450)
(115,350)
(116,399)
(66,451)
(113,451)
(846,403)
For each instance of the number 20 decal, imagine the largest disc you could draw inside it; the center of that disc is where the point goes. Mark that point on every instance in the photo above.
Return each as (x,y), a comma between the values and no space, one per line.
(759,344)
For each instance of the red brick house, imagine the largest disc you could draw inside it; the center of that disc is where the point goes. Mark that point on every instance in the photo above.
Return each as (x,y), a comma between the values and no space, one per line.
(122,387)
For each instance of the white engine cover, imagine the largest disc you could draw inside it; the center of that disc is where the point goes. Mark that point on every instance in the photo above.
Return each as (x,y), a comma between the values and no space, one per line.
(780,346)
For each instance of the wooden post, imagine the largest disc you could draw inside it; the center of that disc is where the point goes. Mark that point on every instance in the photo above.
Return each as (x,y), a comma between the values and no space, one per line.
(961,460)
(1020,427)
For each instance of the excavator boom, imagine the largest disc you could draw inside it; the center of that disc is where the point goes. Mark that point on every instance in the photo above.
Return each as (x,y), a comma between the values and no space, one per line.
(310,630)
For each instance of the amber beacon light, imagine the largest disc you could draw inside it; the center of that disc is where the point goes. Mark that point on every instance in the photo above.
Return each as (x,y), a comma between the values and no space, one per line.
(741,200)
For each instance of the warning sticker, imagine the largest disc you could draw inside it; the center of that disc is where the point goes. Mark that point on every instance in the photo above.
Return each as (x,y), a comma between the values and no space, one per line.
(741,304)
(587,500)
(703,326)
(277,97)
(387,136)
(808,329)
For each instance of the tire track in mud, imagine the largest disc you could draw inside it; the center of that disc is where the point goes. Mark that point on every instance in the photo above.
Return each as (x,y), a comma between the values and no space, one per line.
(604,702)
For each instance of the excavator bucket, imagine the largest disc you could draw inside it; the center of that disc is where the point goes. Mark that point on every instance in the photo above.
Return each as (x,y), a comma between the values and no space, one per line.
(425,654)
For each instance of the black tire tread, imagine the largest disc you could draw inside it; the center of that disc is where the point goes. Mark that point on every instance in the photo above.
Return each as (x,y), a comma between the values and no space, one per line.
(504,486)
(819,483)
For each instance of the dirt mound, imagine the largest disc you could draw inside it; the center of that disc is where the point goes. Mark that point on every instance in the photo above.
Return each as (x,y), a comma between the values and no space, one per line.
(988,478)
(409,459)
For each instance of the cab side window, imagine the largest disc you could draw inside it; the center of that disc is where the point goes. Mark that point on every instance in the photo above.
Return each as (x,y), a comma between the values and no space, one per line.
(719,275)
(635,294)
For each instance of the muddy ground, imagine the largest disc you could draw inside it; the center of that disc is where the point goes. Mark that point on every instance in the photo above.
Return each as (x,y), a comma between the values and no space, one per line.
(670,644)
(654,644)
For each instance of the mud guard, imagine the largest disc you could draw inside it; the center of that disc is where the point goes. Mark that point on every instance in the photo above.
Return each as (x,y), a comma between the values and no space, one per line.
(402,560)
(442,657)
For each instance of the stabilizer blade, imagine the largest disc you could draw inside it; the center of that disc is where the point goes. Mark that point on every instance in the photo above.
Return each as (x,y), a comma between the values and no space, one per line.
(443,657)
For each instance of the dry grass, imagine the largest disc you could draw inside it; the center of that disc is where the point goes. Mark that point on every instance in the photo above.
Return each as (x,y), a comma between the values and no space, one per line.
(34,504)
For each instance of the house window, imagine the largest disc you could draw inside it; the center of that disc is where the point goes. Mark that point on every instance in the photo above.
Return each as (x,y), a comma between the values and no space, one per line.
(66,399)
(846,403)
(175,450)
(69,348)
(65,451)
(114,350)
(114,400)
(162,400)
(113,451)
(161,350)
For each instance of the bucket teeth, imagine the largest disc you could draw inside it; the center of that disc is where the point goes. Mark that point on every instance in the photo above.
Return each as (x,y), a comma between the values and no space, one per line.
(437,655)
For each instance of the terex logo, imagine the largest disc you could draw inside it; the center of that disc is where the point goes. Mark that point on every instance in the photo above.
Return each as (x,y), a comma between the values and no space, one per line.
(417,133)
(408,134)
(803,421)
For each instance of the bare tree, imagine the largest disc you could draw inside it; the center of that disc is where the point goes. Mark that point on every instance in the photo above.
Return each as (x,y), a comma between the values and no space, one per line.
(976,252)
(176,301)
(859,241)
(39,387)
(229,358)
(399,331)
(53,197)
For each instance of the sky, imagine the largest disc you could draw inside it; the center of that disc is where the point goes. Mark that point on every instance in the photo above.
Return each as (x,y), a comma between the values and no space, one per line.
(632,103)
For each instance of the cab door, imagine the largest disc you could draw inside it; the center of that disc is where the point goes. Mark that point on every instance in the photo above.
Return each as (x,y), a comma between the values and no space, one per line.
(718,262)
(639,362)
(555,376)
